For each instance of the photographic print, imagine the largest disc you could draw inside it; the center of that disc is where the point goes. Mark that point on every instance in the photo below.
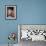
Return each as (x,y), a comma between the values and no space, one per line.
(32,32)
(10,12)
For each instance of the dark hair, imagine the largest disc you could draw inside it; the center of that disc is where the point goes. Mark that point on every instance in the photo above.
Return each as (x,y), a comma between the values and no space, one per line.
(12,8)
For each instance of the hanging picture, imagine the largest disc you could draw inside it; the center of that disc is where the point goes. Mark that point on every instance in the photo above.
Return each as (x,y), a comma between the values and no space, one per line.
(10,12)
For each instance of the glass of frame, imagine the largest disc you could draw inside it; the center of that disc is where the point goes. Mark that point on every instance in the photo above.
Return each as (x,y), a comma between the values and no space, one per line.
(10,12)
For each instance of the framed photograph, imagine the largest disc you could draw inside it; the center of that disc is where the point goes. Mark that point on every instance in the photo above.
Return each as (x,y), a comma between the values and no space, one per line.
(10,13)
(33,32)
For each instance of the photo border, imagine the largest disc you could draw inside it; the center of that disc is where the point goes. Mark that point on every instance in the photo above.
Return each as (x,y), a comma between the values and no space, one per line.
(6,12)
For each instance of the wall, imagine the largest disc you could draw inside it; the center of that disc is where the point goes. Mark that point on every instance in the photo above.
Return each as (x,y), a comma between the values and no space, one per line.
(33,12)
(28,12)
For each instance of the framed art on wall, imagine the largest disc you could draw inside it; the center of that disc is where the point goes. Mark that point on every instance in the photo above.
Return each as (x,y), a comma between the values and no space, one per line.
(10,12)
(33,32)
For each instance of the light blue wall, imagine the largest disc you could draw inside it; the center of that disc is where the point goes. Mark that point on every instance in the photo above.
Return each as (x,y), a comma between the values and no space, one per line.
(33,12)
(28,12)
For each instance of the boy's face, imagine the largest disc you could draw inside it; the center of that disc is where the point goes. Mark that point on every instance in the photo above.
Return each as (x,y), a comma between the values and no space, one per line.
(9,12)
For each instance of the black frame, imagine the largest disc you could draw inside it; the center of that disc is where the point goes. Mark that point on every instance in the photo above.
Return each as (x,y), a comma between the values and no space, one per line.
(6,12)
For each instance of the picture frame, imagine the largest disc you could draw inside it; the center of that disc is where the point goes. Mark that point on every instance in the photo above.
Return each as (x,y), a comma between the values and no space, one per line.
(39,28)
(10,12)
